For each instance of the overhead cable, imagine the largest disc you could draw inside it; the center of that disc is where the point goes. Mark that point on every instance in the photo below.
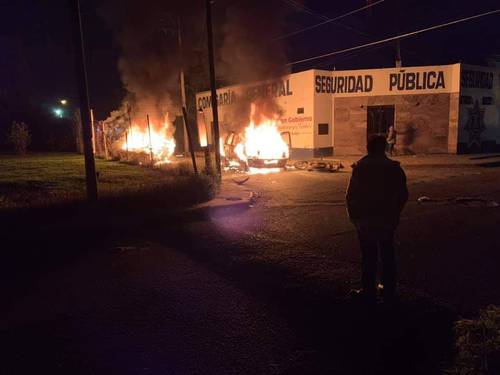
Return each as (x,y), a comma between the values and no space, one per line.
(328,20)
(397,37)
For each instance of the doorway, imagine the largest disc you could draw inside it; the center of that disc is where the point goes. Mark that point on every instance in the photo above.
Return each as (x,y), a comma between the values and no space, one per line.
(380,118)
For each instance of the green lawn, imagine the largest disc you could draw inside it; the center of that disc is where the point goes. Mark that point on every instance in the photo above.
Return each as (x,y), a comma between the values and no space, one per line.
(44,179)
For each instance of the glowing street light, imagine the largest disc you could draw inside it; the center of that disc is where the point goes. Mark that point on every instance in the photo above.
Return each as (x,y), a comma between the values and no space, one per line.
(63,101)
(58,112)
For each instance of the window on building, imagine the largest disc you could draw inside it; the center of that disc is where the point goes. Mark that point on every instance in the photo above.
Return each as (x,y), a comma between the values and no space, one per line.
(487,100)
(465,99)
(300,110)
(323,129)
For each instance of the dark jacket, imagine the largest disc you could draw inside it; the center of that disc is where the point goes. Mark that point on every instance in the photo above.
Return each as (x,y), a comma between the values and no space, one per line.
(377,191)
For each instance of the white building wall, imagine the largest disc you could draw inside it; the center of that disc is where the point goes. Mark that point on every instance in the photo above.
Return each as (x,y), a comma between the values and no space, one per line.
(307,99)
(295,96)
(323,114)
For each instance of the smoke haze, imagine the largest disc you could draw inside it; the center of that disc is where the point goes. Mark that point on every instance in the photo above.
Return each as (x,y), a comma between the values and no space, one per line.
(149,62)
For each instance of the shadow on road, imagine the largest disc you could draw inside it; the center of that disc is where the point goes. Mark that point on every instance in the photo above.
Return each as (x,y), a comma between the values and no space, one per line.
(413,336)
(336,335)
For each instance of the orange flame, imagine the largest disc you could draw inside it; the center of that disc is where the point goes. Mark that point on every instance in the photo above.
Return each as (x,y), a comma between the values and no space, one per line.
(159,142)
(260,142)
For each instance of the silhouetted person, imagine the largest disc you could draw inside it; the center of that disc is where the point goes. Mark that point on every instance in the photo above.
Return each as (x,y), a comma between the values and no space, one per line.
(375,197)
(391,140)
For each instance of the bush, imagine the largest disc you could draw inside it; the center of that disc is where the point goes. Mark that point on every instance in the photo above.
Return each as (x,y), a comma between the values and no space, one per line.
(478,344)
(19,137)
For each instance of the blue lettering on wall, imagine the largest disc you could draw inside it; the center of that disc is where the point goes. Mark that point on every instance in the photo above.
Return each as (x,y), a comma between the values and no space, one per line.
(409,81)
(343,84)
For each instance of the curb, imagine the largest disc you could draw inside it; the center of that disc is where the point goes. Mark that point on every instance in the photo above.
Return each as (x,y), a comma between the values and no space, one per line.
(224,205)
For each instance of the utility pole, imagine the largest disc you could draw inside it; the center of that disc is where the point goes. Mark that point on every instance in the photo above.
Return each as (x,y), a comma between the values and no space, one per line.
(90,173)
(213,88)
(399,63)
(127,132)
(187,129)
(150,144)
(92,125)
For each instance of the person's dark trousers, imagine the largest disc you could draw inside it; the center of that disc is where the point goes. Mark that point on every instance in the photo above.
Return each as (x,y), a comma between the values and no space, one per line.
(375,241)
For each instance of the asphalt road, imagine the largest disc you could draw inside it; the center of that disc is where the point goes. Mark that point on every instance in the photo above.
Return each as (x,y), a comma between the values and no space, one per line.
(264,291)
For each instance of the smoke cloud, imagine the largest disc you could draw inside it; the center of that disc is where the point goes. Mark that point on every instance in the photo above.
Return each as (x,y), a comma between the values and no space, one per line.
(249,55)
(146,32)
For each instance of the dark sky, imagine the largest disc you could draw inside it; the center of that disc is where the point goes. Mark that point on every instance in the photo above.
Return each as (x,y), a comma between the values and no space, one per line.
(37,50)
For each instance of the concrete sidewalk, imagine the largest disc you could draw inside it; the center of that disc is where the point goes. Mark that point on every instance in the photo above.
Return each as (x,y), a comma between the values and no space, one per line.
(233,195)
(433,160)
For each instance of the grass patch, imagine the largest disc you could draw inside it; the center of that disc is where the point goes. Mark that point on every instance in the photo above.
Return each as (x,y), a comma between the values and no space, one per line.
(478,344)
(41,180)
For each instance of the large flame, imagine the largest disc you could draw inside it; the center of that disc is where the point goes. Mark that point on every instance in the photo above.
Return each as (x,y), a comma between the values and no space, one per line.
(260,147)
(155,141)
(262,141)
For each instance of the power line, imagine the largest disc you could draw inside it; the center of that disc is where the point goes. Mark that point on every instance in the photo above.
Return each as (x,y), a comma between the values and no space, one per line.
(305,9)
(329,20)
(396,37)
(350,55)
(311,12)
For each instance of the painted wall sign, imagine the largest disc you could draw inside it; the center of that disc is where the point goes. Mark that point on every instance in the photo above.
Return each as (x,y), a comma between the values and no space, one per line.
(475,125)
(274,89)
(416,80)
(388,81)
(226,97)
(476,79)
(342,84)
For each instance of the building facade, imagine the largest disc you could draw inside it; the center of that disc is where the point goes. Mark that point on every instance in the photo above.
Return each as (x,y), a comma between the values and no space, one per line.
(434,109)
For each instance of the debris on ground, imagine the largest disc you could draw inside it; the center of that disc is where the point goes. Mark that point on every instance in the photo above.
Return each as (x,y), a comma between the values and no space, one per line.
(318,165)
(241,182)
(253,198)
(232,198)
(468,201)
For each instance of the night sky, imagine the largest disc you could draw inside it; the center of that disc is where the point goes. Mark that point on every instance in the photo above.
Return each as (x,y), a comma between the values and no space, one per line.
(37,50)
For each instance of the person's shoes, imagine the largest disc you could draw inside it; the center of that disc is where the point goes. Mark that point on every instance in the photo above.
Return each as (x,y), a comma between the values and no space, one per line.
(388,295)
(363,296)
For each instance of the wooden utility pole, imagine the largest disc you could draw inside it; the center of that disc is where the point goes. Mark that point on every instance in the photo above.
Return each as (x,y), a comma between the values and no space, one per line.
(204,143)
(90,174)
(213,88)
(92,125)
(399,62)
(105,139)
(191,141)
(187,129)
(127,132)
(150,144)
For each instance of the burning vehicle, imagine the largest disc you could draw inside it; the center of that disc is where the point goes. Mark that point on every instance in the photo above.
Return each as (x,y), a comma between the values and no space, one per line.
(259,148)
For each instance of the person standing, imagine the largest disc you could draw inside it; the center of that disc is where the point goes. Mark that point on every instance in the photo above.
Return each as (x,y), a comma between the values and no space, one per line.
(391,139)
(375,197)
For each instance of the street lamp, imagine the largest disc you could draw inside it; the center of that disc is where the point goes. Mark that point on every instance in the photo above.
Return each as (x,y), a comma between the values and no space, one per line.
(63,101)
(58,112)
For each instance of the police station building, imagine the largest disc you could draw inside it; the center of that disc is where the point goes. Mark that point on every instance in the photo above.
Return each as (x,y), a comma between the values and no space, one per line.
(434,109)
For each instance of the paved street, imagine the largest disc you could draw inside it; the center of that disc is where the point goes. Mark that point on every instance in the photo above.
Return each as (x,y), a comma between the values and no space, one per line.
(265,290)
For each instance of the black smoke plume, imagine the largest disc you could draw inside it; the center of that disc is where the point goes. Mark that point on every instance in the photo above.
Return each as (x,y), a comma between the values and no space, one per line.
(149,64)
(249,55)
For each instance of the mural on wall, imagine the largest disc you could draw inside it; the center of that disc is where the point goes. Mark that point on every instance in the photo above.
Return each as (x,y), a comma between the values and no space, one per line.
(475,125)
